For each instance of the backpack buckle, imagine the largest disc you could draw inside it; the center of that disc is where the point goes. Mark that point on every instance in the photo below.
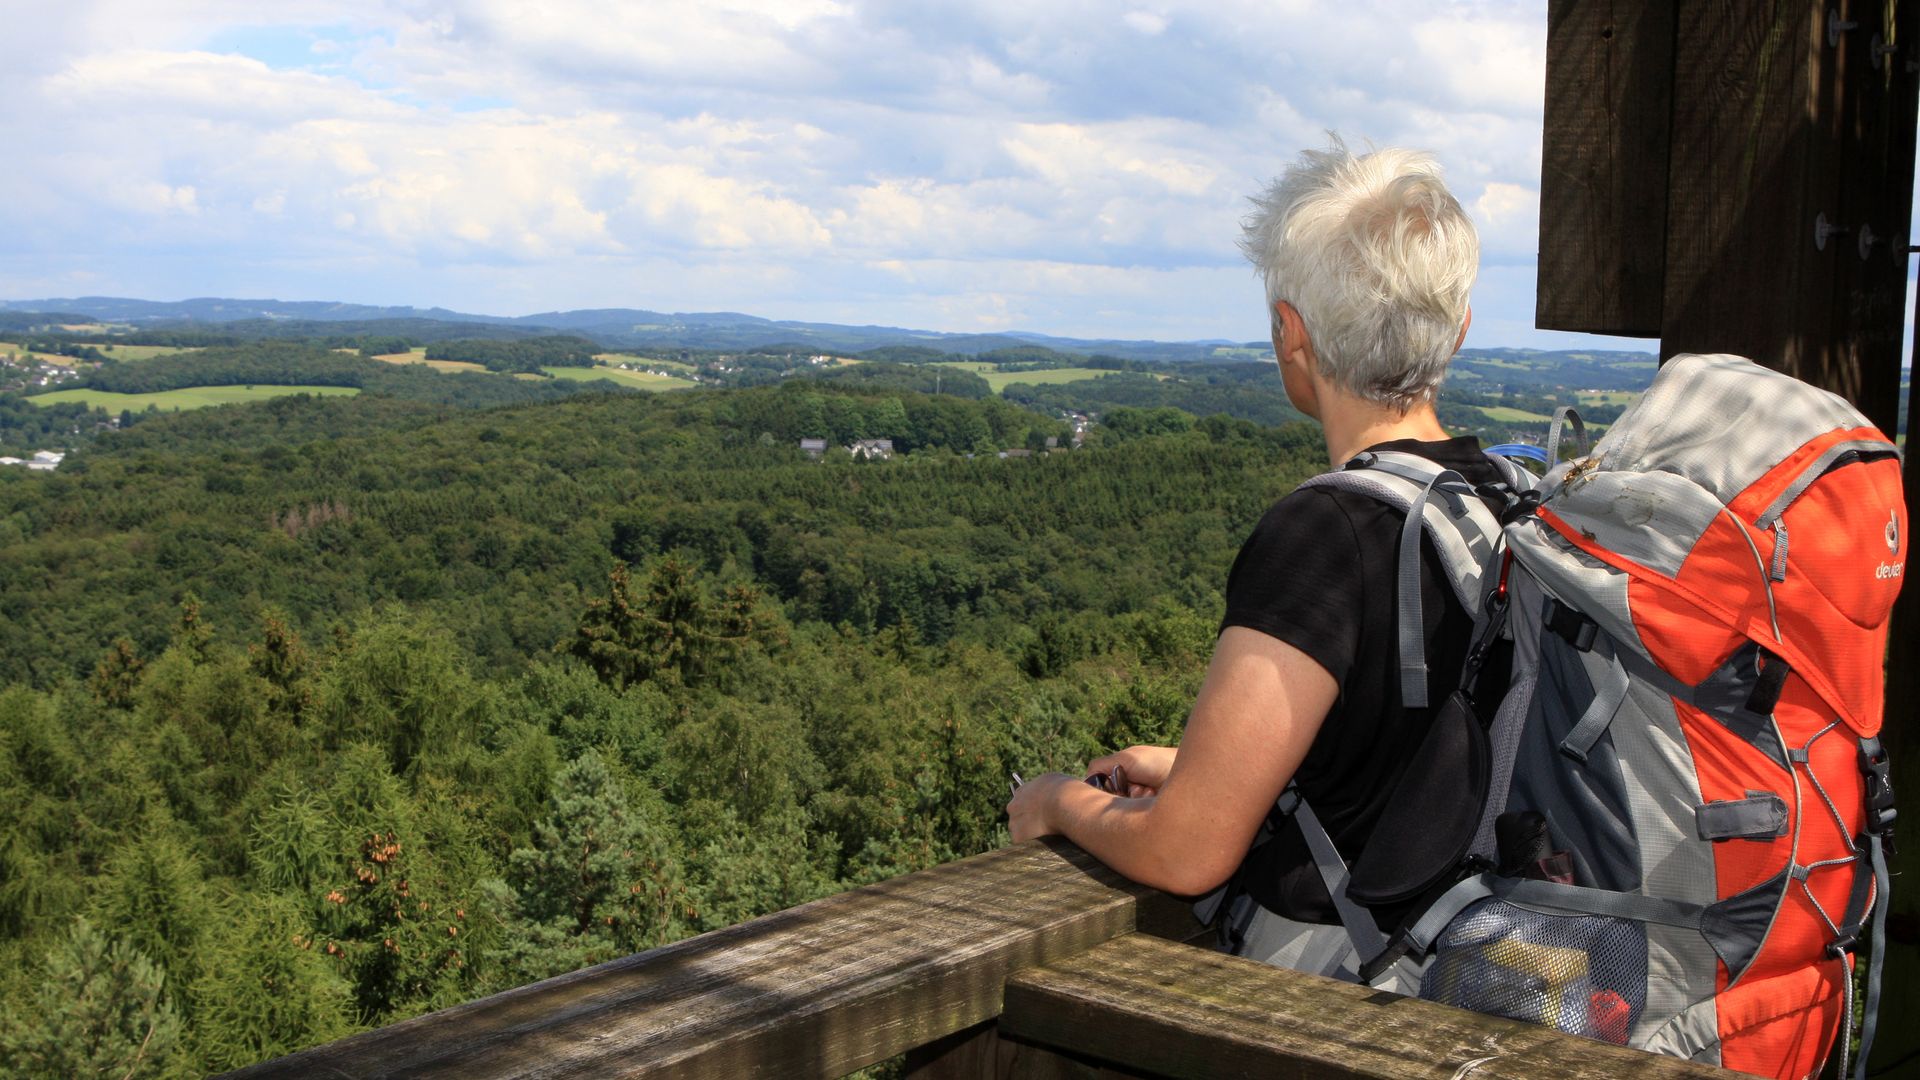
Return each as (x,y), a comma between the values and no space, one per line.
(1879,792)
(1578,630)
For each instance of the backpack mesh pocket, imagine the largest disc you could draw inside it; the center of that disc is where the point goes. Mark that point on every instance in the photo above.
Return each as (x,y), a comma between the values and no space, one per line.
(1583,974)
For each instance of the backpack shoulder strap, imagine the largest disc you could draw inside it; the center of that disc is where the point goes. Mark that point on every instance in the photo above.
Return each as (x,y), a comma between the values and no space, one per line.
(1463,530)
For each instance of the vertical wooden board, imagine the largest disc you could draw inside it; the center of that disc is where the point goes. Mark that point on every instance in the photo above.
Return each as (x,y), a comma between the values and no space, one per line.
(1603,173)
(1741,275)
(1875,163)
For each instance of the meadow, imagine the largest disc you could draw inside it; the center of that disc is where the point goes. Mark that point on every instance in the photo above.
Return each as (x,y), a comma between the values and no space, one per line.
(642,380)
(142,352)
(999,380)
(1508,415)
(644,361)
(193,397)
(418,355)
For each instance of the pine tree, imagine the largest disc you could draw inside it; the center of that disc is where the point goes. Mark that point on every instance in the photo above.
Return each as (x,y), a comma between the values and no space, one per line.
(97,1009)
(273,992)
(601,878)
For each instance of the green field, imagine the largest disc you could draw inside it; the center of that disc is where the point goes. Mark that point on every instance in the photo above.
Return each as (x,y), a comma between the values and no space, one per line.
(139,352)
(998,380)
(645,361)
(8,348)
(1513,416)
(638,379)
(112,350)
(193,397)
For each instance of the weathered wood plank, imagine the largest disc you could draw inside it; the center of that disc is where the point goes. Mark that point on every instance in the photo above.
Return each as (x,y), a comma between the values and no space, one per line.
(1603,170)
(1779,126)
(817,990)
(1185,1012)
(1742,274)
(1869,140)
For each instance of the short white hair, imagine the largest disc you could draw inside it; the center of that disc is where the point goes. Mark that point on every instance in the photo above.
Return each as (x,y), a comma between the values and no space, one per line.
(1378,258)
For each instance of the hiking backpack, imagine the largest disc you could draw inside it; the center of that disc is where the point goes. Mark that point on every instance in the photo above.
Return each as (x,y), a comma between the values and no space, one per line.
(1678,814)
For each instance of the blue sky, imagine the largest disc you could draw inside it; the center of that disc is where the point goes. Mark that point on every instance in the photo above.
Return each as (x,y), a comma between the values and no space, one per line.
(1070,167)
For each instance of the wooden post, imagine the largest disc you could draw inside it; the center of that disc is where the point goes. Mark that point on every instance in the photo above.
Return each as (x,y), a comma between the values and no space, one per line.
(1603,166)
(1789,148)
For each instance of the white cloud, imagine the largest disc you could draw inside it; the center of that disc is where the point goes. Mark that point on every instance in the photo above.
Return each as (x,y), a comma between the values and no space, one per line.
(1053,166)
(1508,217)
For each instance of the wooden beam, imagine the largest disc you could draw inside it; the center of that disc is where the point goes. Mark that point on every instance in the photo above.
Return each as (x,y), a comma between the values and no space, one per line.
(1603,170)
(1176,1011)
(1788,145)
(818,990)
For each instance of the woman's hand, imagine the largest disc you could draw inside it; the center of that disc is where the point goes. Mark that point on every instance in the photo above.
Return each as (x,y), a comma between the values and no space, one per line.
(1029,811)
(1144,767)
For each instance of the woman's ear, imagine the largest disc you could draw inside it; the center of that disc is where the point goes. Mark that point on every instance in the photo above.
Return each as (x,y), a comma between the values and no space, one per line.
(1290,338)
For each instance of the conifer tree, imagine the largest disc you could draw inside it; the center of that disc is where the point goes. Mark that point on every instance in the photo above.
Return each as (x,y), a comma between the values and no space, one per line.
(273,991)
(600,879)
(97,1009)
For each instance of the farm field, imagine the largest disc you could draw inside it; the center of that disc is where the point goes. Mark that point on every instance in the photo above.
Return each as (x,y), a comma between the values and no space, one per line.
(140,352)
(193,397)
(639,379)
(418,355)
(112,350)
(644,361)
(999,380)
(1507,415)
(1241,352)
(9,348)
(1609,397)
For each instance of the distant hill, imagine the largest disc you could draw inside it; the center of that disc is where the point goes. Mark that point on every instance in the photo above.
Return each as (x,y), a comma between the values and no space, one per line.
(617,328)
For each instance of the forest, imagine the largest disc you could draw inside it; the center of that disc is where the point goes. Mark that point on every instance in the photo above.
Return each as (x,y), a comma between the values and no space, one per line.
(320,713)
(525,355)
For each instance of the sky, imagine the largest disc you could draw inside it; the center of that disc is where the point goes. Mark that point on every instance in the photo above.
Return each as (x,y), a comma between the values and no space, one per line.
(1069,167)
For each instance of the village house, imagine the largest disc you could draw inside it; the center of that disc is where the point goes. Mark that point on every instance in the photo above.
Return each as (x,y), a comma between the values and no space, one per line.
(869,449)
(814,447)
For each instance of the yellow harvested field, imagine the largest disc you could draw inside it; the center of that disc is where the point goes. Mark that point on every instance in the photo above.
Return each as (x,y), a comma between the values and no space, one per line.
(193,397)
(1609,397)
(419,356)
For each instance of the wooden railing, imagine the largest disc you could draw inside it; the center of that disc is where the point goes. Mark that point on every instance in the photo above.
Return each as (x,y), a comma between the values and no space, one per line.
(1031,961)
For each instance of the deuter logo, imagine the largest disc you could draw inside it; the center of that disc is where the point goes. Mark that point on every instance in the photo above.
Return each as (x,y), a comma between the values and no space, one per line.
(1886,571)
(1893,533)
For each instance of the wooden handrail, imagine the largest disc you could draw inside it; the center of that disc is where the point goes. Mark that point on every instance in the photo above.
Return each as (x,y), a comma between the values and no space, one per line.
(821,989)
(1019,962)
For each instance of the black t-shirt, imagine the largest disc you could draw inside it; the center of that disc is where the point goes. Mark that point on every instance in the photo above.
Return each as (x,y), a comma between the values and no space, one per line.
(1319,574)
